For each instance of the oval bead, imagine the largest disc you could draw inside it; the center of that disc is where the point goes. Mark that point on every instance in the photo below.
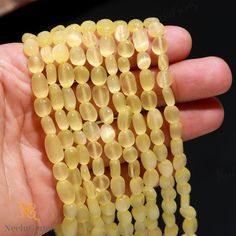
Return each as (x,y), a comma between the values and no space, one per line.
(84,170)
(139,124)
(124,118)
(115,168)
(149,160)
(119,101)
(159,45)
(60,53)
(48,125)
(77,56)
(74,120)
(103,197)
(107,133)
(134,169)
(94,149)
(128,83)
(147,80)
(56,97)
(143,142)
(61,119)
(155,29)
(46,54)
(72,157)
(151,178)
(118,186)
(69,98)
(130,154)
(154,119)
(136,185)
(42,107)
(66,75)
(143,60)
(94,56)
(70,210)
(81,74)
(88,111)
(89,39)
(65,191)
(73,39)
(125,49)
(113,150)
(83,156)
(126,138)
(89,26)
(39,85)
(98,166)
(163,62)
(135,24)
(98,75)
(121,33)
(140,40)
(161,152)
(157,136)
(168,96)
(101,182)
(107,45)
(171,114)
(35,64)
(113,83)
(164,79)
(166,168)
(149,100)
(31,47)
(66,138)
(51,73)
(106,115)
(79,137)
(100,95)
(91,130)
(105,27)
(83,93)
(123,64)
(134,103)
(111,65)
(60,171)
(44,38)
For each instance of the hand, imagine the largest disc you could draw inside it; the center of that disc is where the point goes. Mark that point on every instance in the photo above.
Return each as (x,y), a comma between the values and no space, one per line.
(26,174)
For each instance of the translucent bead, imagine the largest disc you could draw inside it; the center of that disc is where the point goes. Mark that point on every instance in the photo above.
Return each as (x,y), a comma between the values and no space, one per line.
(125,49)
(73,38)
(107,133)
(168,193)
(175,130)
(88,25)
(149,20)
(122,203)
(130,154)
(84,228)
(111,65)
(128,83)
(183,189)
(105,27)
(149,160)
(69,98)
(164,78)
(124,217)
(147,79)
(42,107)
(190,226)
(161,152)
(70,210)
(154,119)
(59,36)
(169,219)
(115,169)
(118,186)
(57,28)
(83,154)
(113,83)
(159,45)
(35,64)
(100,95)
(94,56)
(98,75)
(39,85)
(60,53)
(151,178)
(98,166)
(74,120)
(168,96)
(73,27)
(135,24)
(94,149)
(166,182)
(123,64)
(185,198)
(119,101)
(121,33)
(126,138)
(60,171)
(140,40)
(66,138)
(113,150)
(107,45)
(83,93)
(134,169)
(169,206)
(56,97)
(112,229)
(179,161)
(79,137)
(48,125)
(61,119)
(89,189)
(139,123)
(98,231)
(166,168)
(103,197)
(139,213)
(157,137)
(155,29)
(89,39)
(85,174)
(66,75)
(137,200)
(134,103)
(171,114)
(93,206)
(101,181)
(176,146)
(163,62)
(143,60)
(51,73)
(91,130)
(88,111)
(155,232)
(171,231)
(31,47)
(77,56)
(150,193)
(124,118)
(83,213)
(106,115)
(182,175)
(75,178)
(65,191)
(143,142)
(136,185)
(69,227)
(26,36)
(152,211)
(80,195)
(188,212)
(81,74)
(140,228)
(46,54)
(72,157)
(149,100)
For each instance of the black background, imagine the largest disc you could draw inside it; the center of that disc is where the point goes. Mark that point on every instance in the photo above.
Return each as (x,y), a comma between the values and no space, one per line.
(212,159)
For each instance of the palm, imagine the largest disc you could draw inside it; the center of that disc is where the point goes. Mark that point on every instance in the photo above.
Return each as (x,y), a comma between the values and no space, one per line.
(25,172)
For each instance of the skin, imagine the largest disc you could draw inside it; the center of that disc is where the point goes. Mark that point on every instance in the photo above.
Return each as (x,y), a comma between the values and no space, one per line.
(25,172)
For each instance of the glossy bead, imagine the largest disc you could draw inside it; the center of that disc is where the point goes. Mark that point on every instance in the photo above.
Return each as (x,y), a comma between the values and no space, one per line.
(160,151)
(176,146)
(185,197)
(182,175)
(143,142)
(154,119)
(98,166)
(168,96)
(136,185)
(126,138)
(77,56)
(113,83)
(48,125)
(169,206)
(152,211)
(143,60)
(168,193)
(101,182)
(140,40)
(66,75)
(94,149)
(115,168)
(39,85)
(42,107)
(163,62)
(107,45)
(71,157)
(118,186)
(151,178)
(107,133)
(100,95)
(83,213)
(91,130)
(80,195)
(66,138)
(83,154)
(135,24)
(73,39)
(122,203)
(79,137)
(26,36)
(121,33)
(137,200)
(74,120)
(51,73)
(183,189)
(56,97)
(111,65)
(164,78)
(89,39)
(60,171)
(61,119)
(58,37)
(139,213)
(84,170)
(57,28)
(157,137)
(139,124)
(81,74)
(123,64)
(103,197)
(83,93)
(159,45)
(98,75)
(119,101)
(113,150)
(124,118)
(94,56)
(130,154)
(155,29)
(166,182)
(149,160)
(75,178)
(69,226)
(166,168)
(147,79)
(46,54)
(134,169)
(179,161)
(31,47)
(93,206)
(128,83)
(149,100)
(125,49)
(171,114)
(134,103)
(106,115)
(88,111)
(65,191)
(70,210)
(60,53)
(149,20)
(35,64)
(89,189)
(88,25)
(105,27)
(69,98)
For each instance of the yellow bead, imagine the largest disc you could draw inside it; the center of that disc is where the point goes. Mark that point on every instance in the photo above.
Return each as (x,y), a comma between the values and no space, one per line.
(182,175)
(128,83)
(184,189)
(100,95)
(149,20)
(163,62)
(147,80)
(154,119)
(134,103)
(59,36)
(124,118)
(188,212)
(120,22)
(88,25)
(35,64)
(159,45)
(143,142)
(60,53)
(84,170)
(113,150)
(103,197)
(60,171)
(175,130)
(171,114)
(169,206)
(166,168)
(115,168)
(70,210)
(39,85)
(130,154)
(164,78)
(44,39)
(93,206)
(124,217)
(65,191)
(46,54)
(48,125)
(71,157)
(176,146)
(121,33)
(101,182)
(149,100)
(26,36)
(123,64)
(168,96)
(98,231)
(98,166)
(66,75)
(98,75)
(157,137)
(166,182)
(190,226)
(125,49)
(31,47)
(42,107)
(51,73)
(107,133)
(150,193)
(119,101)
(137,200)
(57,28)
(139,124)
(74,120)
(151,178)
(143,60)
(111,65)
(107,45)
(139,213)
(83,228)
(140,40)
(105,27)
(122,203)
(149,160)
(69,98)
(81,74)
(135,24)
(66,138)
(88,111)
(134,169)
(83,154)
(171,231)
(91,130)
(153,212)
(73,27)
(77,56)
(69,226)
(83,93)
(79,137)
(74,38)
(126,138)
(89,189)
(113,83)
(112,229)
(136,185)
(161,152)
(94,149)
(94,56)
(80,195)
(155,29)
(185,198)
(75,178)
(89,39)
(83,213)
(61,119)
(56,97)
(168,193)
(179,161)
(106,115)
(118,186)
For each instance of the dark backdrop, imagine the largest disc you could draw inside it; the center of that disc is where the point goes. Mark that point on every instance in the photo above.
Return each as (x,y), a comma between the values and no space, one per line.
(212,158)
